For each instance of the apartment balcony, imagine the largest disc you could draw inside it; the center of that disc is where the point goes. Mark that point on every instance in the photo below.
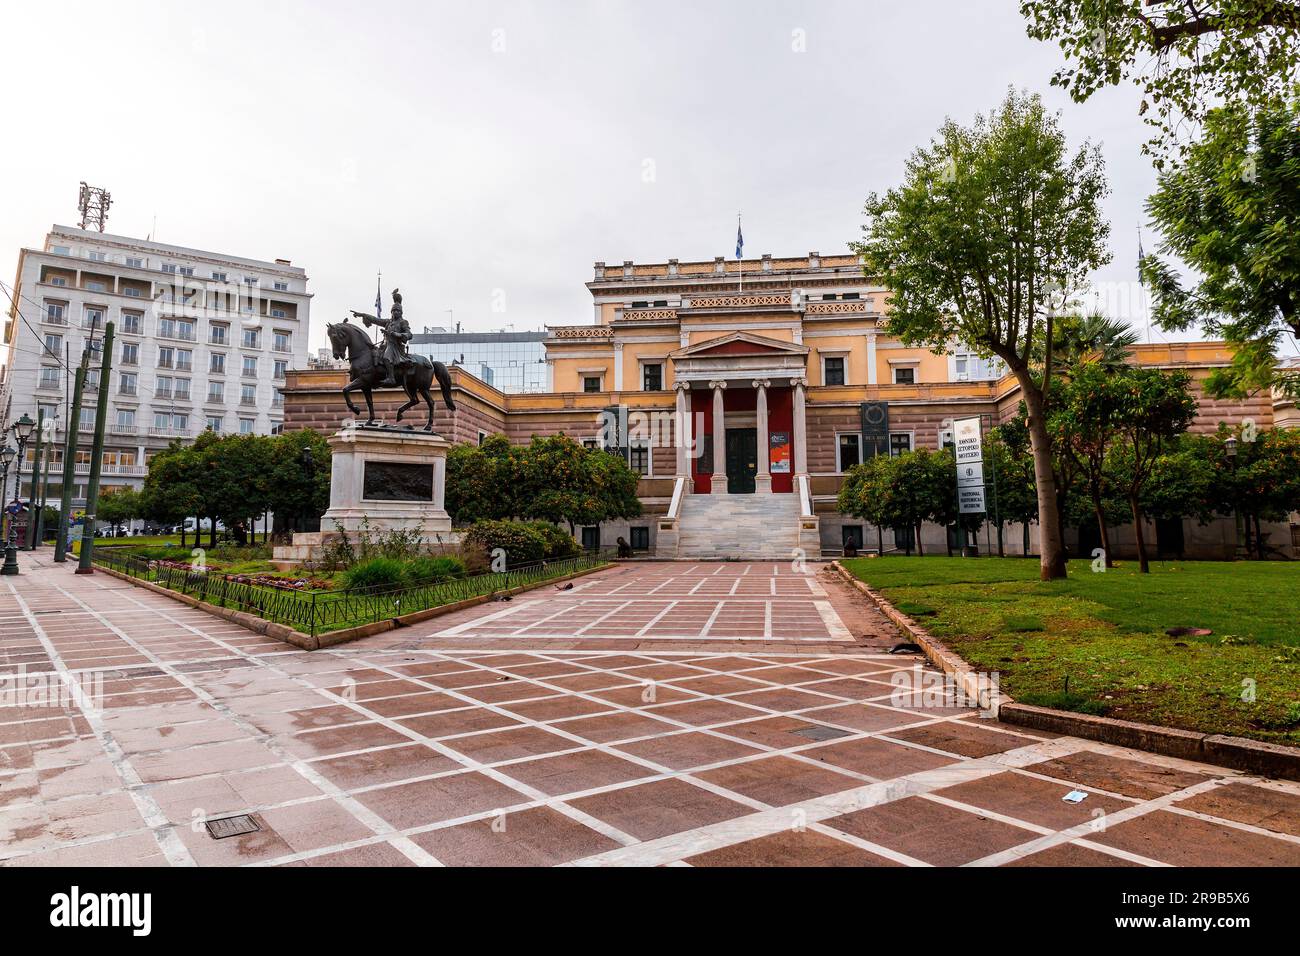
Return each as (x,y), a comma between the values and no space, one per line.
(156,432)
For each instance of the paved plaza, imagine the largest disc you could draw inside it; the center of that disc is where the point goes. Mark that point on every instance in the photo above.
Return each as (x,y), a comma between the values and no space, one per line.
(656,713)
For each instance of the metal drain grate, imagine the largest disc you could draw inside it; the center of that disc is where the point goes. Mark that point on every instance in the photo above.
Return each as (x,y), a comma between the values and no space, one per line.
(820,732)
(231,826)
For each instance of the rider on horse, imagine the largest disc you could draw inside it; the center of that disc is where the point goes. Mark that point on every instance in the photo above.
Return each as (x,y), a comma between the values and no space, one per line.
(397,332)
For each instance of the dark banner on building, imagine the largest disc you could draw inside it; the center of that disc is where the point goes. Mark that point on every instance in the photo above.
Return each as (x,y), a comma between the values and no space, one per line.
(874,418)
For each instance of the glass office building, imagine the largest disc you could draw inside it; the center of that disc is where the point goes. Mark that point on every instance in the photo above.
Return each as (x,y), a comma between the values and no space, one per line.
(513,362)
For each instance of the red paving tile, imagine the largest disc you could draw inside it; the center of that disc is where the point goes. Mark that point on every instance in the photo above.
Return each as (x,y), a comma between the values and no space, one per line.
(365,755)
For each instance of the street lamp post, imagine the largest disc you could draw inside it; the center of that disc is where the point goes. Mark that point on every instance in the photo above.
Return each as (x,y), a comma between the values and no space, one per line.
(1230,449)
(22,430)
(7,456)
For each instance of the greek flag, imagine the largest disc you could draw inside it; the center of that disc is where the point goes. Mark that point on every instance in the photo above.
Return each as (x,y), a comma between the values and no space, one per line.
(379,301)
(740,240)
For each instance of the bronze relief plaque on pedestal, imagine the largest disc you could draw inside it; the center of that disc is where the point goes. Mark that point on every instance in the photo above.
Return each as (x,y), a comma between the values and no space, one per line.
(397,481)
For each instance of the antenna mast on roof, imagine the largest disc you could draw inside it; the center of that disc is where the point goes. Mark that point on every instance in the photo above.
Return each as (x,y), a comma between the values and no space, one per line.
(93,205)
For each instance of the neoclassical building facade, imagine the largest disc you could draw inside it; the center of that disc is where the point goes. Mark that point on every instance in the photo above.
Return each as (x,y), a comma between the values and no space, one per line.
(742,392)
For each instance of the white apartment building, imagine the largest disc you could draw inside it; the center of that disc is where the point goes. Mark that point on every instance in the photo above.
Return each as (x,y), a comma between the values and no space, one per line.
(202,340)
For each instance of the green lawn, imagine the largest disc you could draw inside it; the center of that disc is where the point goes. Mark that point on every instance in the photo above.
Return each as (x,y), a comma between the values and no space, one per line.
(1105,634)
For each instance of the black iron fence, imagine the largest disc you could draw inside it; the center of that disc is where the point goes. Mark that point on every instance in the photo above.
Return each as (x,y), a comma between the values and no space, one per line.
(315,612)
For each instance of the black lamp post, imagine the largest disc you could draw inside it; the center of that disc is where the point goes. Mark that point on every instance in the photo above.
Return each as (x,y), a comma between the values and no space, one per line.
(7,455)
(22,430)
(1230,449)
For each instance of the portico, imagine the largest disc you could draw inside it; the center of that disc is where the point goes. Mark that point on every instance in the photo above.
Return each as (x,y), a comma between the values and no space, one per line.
(747,391)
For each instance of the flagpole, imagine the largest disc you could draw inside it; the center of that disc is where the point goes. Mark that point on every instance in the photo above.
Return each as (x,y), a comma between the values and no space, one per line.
(740,260)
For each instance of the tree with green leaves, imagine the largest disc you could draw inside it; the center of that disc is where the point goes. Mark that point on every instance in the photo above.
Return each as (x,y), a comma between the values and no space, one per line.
(577,485)
(119,506)
(299,487)
(1259,480)
(862,493)
(1086,422)
(1007,453)
(902,492)
(1155,406)
(171,487)
(1186,56)
(487,481)
(995,226)
(1230,211)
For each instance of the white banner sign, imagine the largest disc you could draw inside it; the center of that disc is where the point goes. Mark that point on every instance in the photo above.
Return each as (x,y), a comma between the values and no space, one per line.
(966,439)
(970,500)
(971,474)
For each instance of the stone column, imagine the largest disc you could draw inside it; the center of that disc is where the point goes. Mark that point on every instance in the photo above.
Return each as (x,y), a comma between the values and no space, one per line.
(719,482)
(763,479)
(800,427)
(683,432)
(872,378)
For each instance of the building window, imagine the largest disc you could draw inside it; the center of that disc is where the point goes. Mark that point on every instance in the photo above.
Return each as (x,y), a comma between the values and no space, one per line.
(184,360)
(639,459)
(163,387)
(185,330)
(217,363)
(279,314)
(126,383)
(251,338)
(281,369)
(591,383)
(217,392)
(589,443)
(281,287)
(130,353)
(54,312)
(86,423)
(219,276)
(167,328)
(126,418)
(246,426)
(58,280)
(653,377)
(214,423)
(183,389)
(134,263)
(250,366)
(53,344)
(131,291)
(248,395)
(904,374)
(93,319)
(95,286)
(51,377)
(833,370)
(166,356)
(850,451)
(217,334)
(639,537)
(131,322)
(591,539)
(280,341)
(899,443)
(169,267)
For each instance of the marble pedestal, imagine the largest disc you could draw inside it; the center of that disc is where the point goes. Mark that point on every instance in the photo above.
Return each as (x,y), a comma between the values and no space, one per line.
(381,479)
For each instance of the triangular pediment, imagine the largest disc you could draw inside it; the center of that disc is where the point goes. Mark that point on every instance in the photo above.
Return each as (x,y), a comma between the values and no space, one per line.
(739,343)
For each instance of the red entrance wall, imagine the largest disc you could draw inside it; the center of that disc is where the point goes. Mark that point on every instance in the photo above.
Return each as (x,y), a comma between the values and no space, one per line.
(780,414)
(780,418)
(702,404)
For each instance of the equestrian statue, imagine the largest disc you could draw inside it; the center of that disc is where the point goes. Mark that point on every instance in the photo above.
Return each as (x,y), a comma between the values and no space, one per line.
(372,366)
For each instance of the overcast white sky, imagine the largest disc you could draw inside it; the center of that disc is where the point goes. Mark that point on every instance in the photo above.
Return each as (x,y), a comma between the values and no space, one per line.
(471,147)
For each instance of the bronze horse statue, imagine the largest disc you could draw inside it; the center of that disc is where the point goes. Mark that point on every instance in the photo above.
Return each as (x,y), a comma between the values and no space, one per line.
(367,370)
